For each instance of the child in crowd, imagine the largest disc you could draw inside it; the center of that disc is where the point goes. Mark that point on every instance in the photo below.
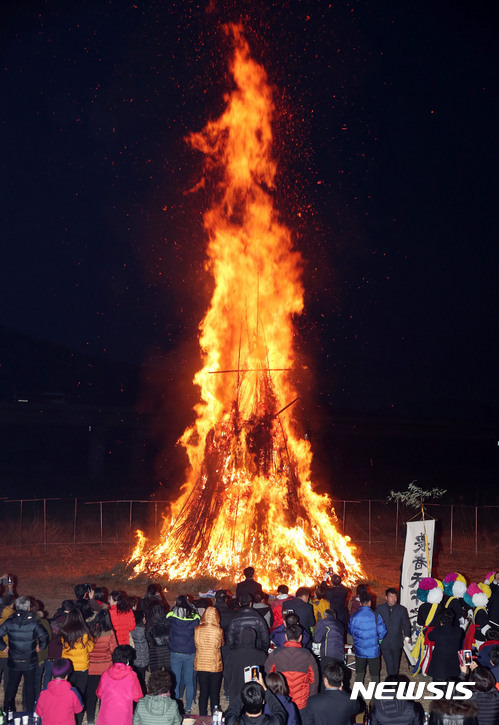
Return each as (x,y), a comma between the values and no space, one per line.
(60,702)
(157,706)
(118,689)
(141,647)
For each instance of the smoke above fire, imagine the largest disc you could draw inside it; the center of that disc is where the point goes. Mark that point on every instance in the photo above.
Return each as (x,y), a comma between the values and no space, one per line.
(248,499)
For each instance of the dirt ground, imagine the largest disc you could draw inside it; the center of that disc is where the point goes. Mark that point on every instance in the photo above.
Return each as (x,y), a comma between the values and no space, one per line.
(50,575)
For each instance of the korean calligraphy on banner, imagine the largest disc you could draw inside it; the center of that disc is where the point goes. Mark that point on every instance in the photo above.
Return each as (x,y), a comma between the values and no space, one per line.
(414,565)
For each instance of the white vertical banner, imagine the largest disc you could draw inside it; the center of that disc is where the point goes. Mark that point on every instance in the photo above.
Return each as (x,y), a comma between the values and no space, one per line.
(415,565)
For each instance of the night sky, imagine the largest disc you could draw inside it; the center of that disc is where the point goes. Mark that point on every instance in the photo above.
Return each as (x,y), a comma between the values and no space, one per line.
(386,133)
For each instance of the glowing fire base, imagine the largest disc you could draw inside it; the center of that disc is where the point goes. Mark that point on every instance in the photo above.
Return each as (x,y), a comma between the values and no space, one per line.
(248,507)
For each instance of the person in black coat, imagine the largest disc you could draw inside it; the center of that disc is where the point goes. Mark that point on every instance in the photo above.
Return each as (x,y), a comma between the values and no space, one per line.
(398,626)
(249,585)
(25,633)
(248,617)
(493,603)
(444,664)
(226,616)
(394,711)
(156,634)
(244,654)
(485,695)
(305,611)
(337,596)
(334,704)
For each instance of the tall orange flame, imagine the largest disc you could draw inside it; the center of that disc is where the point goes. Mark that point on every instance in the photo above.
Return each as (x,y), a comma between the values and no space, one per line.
(248,499)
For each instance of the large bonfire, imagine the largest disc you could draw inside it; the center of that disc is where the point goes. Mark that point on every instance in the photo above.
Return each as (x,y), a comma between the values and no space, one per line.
(248,499)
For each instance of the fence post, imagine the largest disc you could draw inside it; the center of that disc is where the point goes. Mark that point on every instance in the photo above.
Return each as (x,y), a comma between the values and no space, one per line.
(451,526)
(74,524)
(476,530)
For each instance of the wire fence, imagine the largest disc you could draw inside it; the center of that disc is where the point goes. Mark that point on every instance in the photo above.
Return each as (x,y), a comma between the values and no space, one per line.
(55,521)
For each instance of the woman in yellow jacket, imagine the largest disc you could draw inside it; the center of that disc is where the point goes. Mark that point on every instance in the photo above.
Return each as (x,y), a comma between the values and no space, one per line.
(209,639)
(77,643)
(320,603)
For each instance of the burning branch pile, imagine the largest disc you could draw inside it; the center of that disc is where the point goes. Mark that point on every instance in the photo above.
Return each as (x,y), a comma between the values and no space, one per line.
(248,499)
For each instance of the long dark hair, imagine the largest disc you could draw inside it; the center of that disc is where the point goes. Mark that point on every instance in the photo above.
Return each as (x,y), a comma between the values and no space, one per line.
(155,613)
(123,603)
(152,596)
(183,608)
(73,629)
(102,623)
(277,684)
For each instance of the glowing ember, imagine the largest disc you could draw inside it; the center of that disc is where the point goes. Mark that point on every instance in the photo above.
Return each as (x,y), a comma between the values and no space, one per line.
(248,499)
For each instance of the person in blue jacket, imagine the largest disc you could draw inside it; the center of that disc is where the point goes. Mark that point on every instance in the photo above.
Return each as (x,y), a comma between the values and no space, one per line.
(183,619)
(368,630)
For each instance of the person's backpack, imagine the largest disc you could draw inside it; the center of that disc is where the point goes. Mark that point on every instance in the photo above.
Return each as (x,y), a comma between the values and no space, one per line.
(159,633)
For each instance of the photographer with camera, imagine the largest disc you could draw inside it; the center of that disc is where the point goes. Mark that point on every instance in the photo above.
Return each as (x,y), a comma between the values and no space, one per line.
(247,707)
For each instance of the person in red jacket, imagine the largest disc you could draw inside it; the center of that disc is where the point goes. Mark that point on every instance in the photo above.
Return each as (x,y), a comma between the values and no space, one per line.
(60,702)
(121,616)
(278,606)
(298,665)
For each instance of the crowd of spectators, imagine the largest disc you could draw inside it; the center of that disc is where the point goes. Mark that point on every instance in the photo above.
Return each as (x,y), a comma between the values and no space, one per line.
(143,660)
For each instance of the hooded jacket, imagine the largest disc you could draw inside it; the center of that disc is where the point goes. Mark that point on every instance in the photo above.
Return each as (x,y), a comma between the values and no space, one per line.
(118,688)
(182,633)
(244,655)
(24,631)
(59,703)
(157,710)
(249,617)
(209,638)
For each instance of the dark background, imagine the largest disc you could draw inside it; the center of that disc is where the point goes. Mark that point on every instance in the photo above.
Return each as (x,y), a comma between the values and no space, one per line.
(386,138)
